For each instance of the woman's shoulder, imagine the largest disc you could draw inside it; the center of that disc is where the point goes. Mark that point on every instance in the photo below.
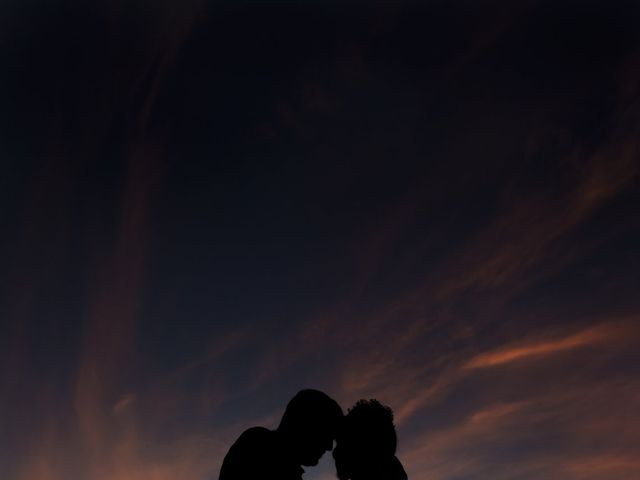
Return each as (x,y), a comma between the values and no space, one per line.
(395,470)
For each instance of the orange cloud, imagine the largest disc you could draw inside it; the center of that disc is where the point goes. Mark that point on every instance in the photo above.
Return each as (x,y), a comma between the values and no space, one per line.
(467,448)
(601,466)
(590,336)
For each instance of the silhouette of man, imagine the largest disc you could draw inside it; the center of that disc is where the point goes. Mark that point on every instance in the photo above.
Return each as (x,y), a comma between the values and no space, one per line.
(307,430)
(366,444)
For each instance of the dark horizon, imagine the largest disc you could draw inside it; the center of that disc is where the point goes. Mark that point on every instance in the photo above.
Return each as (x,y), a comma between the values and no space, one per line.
(210,206)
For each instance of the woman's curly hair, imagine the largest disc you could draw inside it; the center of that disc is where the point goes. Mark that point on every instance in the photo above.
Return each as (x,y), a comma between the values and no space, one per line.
(369,426)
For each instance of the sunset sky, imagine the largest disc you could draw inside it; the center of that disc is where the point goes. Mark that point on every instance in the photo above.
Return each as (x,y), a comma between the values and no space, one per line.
(209,205)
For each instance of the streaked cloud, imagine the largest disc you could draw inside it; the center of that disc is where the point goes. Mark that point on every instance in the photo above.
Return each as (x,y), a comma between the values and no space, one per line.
(429,329)
(590,336)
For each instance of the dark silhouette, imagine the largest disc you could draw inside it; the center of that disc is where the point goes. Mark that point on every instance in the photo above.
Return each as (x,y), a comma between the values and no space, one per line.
(307,430)
(366,444)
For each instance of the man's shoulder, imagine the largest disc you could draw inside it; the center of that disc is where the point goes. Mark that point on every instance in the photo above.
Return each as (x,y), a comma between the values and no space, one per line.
(252,456)
(255,436)
(253,442)
(257,433)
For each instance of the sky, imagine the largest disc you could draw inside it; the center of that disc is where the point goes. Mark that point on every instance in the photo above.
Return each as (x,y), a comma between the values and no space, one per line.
(208,206)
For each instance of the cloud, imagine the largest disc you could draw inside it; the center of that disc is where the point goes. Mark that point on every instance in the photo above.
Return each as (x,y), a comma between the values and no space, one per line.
(421,346)
(591,336)
(561,432)
(603,466)
(124,403)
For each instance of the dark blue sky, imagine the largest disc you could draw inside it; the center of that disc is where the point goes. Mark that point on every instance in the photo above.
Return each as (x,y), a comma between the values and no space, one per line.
(209,206)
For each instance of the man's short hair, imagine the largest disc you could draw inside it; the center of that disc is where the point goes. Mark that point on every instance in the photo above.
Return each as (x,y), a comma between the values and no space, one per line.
(311,407)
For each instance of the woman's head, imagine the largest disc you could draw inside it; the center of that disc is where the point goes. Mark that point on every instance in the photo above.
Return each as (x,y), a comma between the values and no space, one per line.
(367,436)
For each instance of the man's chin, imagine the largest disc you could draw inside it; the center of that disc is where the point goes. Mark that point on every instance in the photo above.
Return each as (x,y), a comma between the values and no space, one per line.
(311,462)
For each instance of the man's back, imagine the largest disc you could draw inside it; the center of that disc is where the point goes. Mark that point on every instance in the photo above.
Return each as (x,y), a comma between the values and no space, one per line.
(259,454)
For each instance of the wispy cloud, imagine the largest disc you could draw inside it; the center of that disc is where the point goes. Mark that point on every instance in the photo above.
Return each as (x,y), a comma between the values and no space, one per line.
(603,466)
(430,344)
(528,431)
(511,353)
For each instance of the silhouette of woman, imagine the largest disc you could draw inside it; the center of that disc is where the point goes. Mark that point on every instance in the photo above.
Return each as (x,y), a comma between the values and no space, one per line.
(366,444)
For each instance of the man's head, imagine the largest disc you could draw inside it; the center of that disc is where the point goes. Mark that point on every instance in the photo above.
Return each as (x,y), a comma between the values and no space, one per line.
(366,439)
(310,424)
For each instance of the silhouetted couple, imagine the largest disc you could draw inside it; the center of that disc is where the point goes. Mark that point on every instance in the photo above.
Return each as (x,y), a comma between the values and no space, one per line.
(365,442)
